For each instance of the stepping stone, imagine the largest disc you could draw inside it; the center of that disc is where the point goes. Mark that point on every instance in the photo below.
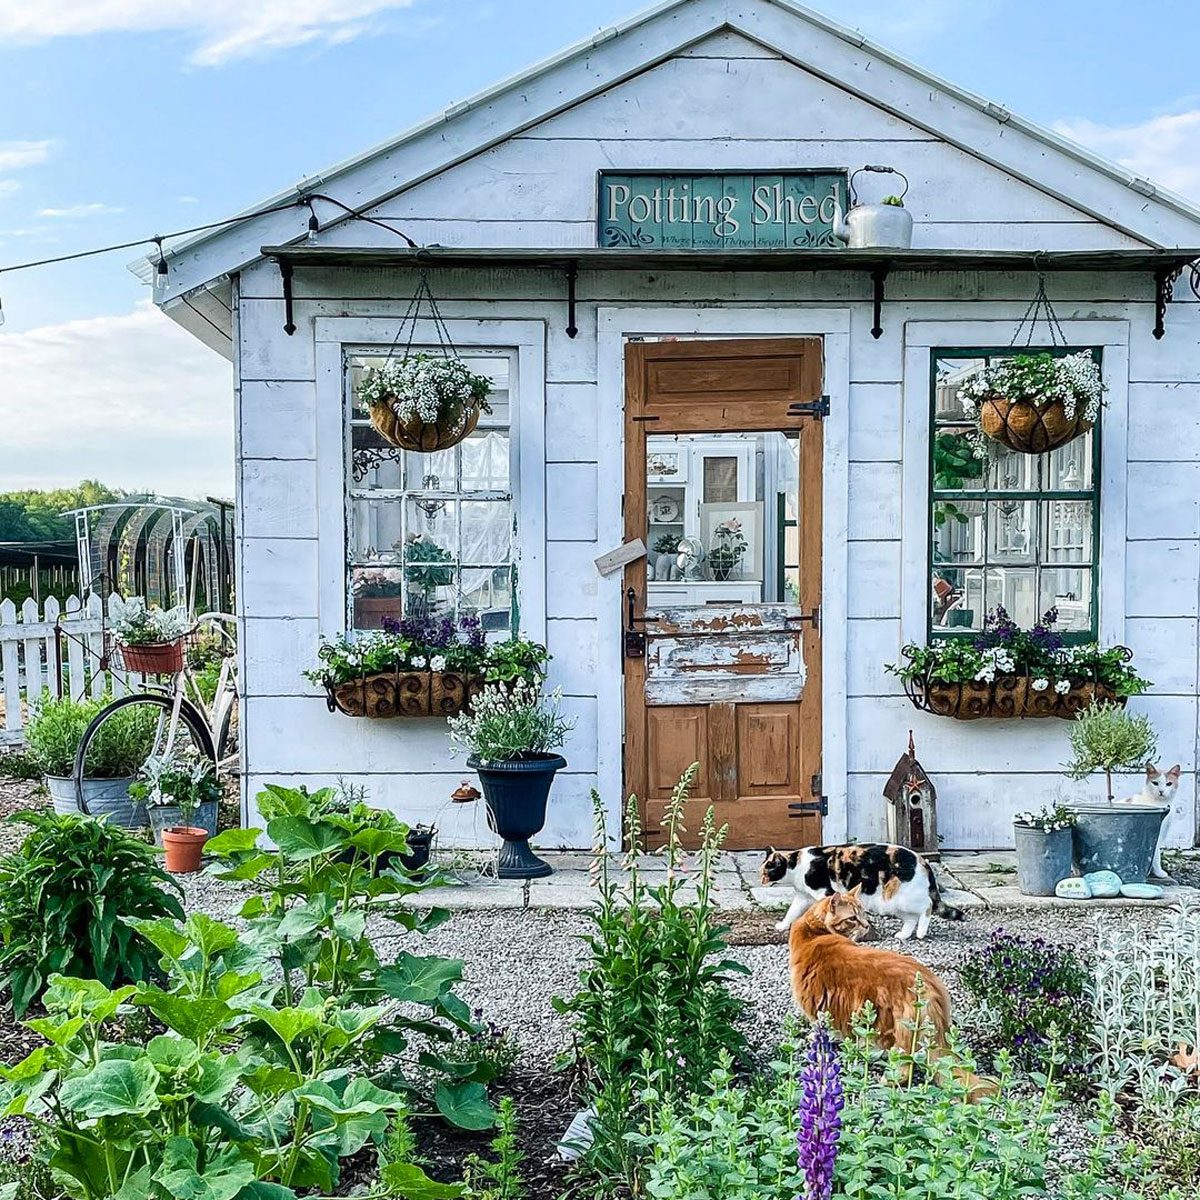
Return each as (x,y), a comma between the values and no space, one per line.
(1073,888)
(1104,884)
(1142,891)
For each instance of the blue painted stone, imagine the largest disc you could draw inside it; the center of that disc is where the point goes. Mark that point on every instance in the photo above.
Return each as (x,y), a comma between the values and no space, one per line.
(1142,891)
(1073,888)
(1104,884)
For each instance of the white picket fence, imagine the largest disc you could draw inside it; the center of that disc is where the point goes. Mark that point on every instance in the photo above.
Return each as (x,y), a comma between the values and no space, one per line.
(35,658)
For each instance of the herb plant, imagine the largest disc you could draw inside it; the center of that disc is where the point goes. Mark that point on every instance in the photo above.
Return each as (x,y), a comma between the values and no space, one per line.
(63,899)
(57,725)
(1104,737)
(137,624)
(511,724)
(1037,996)
(654,1008)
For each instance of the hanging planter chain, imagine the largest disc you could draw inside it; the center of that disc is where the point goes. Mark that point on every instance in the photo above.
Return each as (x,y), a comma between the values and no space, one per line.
(413,314)
(1040,304)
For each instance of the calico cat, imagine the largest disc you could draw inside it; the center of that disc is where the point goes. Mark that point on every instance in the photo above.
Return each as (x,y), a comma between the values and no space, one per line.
(1159,789)
(893,881)
(831,974)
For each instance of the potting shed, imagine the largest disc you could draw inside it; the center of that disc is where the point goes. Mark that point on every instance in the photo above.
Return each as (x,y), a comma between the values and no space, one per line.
(642,243)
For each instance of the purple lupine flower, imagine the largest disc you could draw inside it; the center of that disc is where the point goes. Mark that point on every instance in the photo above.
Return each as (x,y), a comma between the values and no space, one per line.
(820,1121)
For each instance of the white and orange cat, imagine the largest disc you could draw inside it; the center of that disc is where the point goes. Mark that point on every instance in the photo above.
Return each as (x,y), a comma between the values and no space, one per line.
(1159,789)
(832,974)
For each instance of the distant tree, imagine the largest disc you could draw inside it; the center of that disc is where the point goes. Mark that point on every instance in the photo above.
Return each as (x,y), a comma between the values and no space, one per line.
(35,516)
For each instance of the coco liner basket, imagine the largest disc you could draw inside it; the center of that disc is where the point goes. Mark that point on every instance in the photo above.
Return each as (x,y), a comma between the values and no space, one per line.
(403,694)
(456,421)
(1007,696)
(1030,426)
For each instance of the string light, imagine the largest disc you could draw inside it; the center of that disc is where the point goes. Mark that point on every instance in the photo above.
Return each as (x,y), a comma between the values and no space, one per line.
(162,270)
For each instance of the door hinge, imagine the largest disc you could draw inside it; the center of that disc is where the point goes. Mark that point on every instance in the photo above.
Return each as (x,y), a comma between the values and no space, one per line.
(817,409)
(812,618)
(819,804)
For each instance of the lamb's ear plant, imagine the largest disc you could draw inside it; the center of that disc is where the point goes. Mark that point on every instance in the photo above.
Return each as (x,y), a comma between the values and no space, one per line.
(1105,737)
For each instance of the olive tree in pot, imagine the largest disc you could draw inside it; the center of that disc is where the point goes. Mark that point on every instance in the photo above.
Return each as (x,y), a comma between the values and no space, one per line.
(1110,836)
(1045,849)
(181,796)
(512,734)
(56,727)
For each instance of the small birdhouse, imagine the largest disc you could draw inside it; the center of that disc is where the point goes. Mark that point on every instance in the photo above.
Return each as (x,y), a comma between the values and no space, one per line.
(912,805)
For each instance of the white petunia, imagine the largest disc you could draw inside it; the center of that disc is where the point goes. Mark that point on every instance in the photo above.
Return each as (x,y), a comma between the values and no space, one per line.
(419,661)
(1040,685)
(1062,687)
(437,662)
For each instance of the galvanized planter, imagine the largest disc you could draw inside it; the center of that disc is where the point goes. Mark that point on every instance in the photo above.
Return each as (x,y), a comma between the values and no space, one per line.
(108,798)
(1043,858)
(1118,837)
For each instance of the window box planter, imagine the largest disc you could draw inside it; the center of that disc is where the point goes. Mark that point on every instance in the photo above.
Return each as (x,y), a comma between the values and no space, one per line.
(1007,696)
(403,694)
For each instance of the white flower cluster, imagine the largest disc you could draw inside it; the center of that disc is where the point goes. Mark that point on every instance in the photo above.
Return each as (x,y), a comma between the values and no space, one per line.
(424,386)
(1073,379)
(1049,819)
(995,660)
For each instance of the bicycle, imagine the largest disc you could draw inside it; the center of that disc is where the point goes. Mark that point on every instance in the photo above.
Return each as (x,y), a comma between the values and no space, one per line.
(185,722)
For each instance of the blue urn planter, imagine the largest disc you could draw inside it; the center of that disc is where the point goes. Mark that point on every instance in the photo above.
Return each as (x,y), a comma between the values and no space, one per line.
(516,791)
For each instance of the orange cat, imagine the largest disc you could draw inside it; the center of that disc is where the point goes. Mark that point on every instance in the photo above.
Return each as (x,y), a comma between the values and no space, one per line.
(834,975)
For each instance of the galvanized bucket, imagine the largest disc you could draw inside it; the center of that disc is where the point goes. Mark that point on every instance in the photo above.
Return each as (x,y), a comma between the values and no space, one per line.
(107,798)
(1118,837)
(1043,858)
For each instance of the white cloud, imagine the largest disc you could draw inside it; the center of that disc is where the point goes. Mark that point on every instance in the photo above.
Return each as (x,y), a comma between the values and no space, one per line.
(14,155)
(132,400)
(224,29)
(73,211)
(1165,149)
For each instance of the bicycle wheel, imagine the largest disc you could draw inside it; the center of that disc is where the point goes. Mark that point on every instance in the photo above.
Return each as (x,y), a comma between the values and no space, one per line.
(144,726)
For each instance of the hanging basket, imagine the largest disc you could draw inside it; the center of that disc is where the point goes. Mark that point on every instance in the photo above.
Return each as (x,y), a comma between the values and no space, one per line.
(1031,426)
(455,422)
(397,391)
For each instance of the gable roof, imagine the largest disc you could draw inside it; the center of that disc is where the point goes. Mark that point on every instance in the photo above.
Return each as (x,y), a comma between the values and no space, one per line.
(1109,193)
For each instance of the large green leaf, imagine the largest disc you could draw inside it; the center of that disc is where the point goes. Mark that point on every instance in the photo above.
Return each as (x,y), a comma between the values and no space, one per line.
(211,937)
(112,1088)
(233,841)
(465,1105)
(420,980)
(172,1054)
(406,1181)
(304,918)
(194,1019)
(223,1178)
(164,935)
(288,1024)
(302,839)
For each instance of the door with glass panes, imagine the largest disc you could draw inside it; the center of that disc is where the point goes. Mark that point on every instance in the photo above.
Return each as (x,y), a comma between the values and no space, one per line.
(721,619)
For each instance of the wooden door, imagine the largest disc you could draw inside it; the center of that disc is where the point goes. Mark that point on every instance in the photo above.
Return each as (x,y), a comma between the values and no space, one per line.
(721,670)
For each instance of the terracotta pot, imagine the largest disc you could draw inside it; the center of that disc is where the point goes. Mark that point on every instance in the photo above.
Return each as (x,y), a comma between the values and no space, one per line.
(156,658)
(369,611)
(182,848)
(458,420)
(1030,427)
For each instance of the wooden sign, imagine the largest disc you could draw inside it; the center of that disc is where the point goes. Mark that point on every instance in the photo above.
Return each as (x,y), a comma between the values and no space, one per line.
(711,210)
(624,554)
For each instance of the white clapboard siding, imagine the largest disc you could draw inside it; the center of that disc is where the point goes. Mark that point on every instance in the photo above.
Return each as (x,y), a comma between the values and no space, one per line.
(35,658)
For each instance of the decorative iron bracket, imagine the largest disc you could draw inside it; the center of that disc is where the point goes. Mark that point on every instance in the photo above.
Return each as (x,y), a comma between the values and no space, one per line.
(818,805)
(285,274)
(1164,289)
(572,276)
(878,279)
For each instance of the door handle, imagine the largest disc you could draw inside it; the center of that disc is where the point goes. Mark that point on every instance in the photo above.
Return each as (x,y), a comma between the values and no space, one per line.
(634,638)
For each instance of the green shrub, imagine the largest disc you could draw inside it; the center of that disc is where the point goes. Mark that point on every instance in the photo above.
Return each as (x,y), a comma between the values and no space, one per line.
(56,727)
(63,899)
(1104,737)
(654,1005)
(1037,996)
(19,764)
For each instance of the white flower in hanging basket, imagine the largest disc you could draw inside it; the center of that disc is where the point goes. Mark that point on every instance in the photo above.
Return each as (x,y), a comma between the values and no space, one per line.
(1034,403)
(424,402)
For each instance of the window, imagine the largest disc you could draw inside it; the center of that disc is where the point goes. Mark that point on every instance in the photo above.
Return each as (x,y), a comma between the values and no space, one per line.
(1015,530)
(432,534)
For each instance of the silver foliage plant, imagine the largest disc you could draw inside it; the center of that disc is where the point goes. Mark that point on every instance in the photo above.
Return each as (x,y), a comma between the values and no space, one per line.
(1147,1005)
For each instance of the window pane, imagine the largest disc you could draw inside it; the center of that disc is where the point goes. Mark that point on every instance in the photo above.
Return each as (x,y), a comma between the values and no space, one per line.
(431,533)
(957,598)
(1069,468)
(1012,531)
(485,462)
(951,375)
(1011,472)
(434,472)
(373,463)
(1015,590)
(1067,532)
(485,531)
(488,595)
(958,531)
(375,595)
(376,530)
(957,465)
(720,480)
(1070,591)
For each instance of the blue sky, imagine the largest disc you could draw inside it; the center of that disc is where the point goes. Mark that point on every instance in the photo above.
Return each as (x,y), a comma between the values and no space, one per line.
(134,116)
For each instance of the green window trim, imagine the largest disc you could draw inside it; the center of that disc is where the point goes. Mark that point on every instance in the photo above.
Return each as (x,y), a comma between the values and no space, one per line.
(976,500)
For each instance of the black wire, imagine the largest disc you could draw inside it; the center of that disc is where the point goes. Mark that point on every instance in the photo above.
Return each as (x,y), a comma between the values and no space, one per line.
(359,215)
